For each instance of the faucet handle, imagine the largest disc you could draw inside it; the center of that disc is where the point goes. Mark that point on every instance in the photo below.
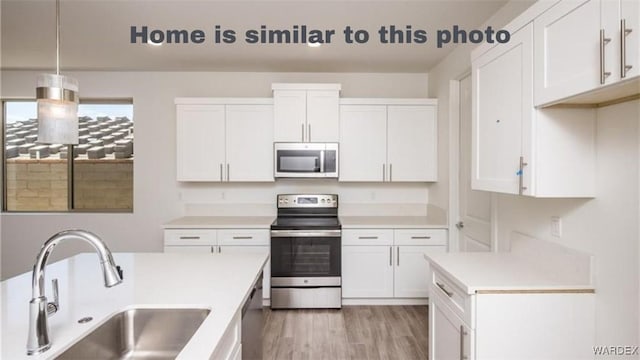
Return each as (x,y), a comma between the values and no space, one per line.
(53,306)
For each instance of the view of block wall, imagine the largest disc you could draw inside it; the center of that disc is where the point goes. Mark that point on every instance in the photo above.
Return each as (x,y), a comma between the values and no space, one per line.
(41,184)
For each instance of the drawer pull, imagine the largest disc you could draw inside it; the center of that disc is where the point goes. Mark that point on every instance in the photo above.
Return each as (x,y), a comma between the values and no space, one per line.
(449,293)
(189,237)
(421,237)
(242,237)
(367,237)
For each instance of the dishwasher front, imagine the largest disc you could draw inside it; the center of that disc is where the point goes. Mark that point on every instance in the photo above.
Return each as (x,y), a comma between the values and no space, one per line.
(252,323)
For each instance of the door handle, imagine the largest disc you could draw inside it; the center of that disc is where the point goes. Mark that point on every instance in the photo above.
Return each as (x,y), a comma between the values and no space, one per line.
(521,187)
(390,172)
(397,255)
(228,171)
(221,172)
(441,286)
(384,175)
(302,128)
(603,41)
(624,68)
(463,333)
(309,133)
(390,255)
(460,225)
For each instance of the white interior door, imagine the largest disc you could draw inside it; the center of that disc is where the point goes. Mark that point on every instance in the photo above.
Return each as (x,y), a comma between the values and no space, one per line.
(474,218)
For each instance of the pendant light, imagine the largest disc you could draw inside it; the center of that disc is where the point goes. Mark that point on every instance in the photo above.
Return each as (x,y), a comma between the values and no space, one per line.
(57,98)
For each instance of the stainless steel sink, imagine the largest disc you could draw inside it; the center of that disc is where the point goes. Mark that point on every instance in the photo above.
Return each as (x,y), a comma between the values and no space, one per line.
(139,334)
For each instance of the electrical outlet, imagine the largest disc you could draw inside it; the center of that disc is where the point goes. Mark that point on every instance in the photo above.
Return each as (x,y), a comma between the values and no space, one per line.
(556,226)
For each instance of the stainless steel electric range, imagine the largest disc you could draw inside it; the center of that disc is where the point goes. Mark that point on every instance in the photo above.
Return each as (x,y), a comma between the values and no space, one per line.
(306,253)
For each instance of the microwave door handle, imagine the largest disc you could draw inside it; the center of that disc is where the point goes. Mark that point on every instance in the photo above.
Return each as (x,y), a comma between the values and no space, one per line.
(322,161)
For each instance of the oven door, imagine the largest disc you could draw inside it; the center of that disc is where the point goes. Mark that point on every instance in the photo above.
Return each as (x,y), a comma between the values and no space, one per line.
(311,254)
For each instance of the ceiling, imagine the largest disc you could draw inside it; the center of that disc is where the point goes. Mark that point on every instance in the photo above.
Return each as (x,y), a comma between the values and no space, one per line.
(95,34)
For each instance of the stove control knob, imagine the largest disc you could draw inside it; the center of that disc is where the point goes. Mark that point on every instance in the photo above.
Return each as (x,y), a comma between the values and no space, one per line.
(323,201)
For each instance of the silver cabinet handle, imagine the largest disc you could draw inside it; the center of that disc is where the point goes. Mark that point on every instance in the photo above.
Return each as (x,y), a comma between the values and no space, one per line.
(219,249)
(309,133)
(397,255)
(227,172)
(211,248)
(521,187)
(390,255)
(390,172)
(463,333)
(302,127)
(421,237)
(221,172)
(367,237)
(603,41)
(624,68)
(243,237)
(441,286)
(384,175)
(189,237)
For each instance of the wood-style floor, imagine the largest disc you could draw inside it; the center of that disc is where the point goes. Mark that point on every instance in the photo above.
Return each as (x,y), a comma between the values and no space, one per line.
(355,332)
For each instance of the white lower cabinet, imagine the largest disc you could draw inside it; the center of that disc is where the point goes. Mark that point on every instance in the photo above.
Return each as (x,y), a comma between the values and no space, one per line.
(230,345)
(522,324)
(388,263)
(216,241)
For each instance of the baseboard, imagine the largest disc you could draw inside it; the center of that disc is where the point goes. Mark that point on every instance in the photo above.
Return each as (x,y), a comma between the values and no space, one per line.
(378,301)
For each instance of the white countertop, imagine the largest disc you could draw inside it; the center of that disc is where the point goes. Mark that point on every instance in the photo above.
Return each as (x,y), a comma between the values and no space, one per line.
(409,222)
(152,280)
(500,272)
(220,222)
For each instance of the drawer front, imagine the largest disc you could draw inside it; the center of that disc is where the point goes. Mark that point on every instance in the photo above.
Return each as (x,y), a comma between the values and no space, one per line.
(248,237)
(177,237)
(367,237)
(419,237)
(452,296)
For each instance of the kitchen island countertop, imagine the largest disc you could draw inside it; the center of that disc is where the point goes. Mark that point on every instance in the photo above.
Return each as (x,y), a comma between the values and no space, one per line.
(151,280)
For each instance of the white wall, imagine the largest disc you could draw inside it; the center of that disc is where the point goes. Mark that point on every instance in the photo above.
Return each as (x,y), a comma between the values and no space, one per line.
(157,196)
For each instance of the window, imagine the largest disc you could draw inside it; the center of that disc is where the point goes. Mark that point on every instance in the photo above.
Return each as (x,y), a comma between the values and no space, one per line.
(99,174)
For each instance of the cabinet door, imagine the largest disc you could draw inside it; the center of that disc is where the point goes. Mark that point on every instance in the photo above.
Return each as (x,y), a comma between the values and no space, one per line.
(412,270)
(412,143)
(363,142)
(367,272)
(567,57)
(289,112)
(322,115)
(249,142)
(501,109)
(450,338)
(266,271)
(200,142)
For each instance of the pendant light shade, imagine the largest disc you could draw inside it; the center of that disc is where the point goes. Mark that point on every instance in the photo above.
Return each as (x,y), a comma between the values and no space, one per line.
(57,98)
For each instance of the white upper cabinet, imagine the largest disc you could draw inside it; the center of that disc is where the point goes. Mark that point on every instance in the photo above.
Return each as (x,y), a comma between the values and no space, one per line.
(385,140)
(501,109)
(517,149)
(200,142)
(221,140)
(322,115)
(412,143)
(306,112)
(249,130)
(363,142)
(586,45)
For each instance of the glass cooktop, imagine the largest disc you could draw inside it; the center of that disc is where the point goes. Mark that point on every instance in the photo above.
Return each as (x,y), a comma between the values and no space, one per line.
(306,223)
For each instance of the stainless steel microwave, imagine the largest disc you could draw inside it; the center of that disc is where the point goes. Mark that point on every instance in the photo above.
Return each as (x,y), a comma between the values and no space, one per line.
(306,160)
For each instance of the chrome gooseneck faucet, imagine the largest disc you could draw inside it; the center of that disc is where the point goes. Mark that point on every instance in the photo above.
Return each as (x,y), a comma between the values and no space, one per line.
(38,337)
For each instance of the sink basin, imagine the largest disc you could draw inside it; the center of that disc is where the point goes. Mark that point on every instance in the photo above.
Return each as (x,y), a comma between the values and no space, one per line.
(139,334)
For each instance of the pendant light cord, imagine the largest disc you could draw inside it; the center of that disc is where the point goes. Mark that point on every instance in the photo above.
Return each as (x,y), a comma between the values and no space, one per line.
(57,37)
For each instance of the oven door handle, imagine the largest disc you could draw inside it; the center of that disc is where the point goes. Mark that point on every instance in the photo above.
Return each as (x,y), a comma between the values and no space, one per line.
(305,233)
